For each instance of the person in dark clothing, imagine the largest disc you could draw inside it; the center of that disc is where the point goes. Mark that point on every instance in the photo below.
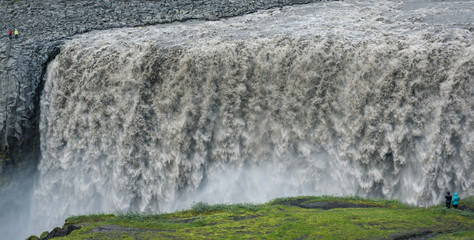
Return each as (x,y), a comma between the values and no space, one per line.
(456,200)
(448,198)
(10,34)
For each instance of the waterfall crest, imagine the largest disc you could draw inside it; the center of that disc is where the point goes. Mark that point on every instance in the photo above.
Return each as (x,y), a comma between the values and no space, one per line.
(256,107)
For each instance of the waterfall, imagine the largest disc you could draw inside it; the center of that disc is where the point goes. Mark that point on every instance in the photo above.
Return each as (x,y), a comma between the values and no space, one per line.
(306,100)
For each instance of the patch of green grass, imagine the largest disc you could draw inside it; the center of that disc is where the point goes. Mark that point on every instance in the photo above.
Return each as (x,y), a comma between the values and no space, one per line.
(89,218)
(279,219)
(464,234)
(468,202)
(288,200)
(347,199)
(201,207)
(44,234)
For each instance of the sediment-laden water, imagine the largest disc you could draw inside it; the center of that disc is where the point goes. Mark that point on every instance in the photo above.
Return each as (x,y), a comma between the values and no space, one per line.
(339,98)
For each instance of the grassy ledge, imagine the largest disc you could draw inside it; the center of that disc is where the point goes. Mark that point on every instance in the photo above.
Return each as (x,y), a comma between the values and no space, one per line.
(304,217)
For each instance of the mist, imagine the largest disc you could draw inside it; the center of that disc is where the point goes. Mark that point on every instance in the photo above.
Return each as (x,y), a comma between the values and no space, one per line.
(15,205)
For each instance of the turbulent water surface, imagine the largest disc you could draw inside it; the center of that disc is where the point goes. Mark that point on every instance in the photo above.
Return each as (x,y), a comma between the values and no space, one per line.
(339,98)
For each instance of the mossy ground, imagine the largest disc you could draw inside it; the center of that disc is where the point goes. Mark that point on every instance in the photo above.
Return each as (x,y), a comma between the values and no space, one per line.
(283,219)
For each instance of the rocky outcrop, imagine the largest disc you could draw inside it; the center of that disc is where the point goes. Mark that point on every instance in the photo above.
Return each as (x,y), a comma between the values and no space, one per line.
(44,25)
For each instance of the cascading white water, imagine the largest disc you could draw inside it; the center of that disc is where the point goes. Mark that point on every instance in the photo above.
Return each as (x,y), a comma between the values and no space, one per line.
(332,98)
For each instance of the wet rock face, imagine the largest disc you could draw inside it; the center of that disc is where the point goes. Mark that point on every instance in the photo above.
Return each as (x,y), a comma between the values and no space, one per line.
(43,25)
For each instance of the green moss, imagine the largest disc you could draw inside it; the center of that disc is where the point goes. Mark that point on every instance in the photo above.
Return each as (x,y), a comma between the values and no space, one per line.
(201,207)
(468,202)
(469,234)
(89,218)
(279,219)
(4,158)
(348,199)
(44,234)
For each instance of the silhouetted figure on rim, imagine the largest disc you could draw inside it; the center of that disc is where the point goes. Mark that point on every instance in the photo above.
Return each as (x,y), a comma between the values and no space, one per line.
(449,198)
(456,199)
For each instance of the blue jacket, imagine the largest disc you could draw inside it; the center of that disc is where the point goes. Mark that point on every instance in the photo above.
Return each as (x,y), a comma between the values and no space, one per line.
(456,199)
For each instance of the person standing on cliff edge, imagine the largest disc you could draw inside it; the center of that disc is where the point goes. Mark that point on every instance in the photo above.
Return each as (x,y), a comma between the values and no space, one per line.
(456,199)
(10,33)
(16,33)
(448,198)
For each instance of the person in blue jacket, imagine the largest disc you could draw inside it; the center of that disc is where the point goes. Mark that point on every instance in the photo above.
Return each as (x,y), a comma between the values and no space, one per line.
(456,199)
